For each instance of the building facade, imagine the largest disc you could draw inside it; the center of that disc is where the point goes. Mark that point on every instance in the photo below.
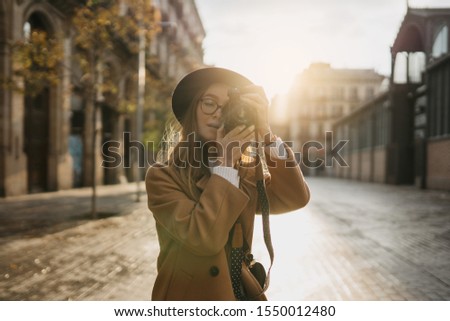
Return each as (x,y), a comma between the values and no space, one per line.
(53,140)
(179,47)
(403,136)
(320,95)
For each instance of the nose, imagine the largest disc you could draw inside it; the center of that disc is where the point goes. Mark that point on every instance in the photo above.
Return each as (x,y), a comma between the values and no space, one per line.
(218,112)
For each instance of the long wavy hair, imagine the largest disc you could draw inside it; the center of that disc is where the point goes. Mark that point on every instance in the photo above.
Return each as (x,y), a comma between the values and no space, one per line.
(182,148)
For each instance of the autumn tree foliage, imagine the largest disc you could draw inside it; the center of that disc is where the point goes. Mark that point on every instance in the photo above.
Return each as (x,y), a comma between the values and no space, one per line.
(36,63)
(98,29)
(103,26)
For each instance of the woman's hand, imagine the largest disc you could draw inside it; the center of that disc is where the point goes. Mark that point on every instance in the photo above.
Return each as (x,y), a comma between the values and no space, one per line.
(230,146)
(255,97)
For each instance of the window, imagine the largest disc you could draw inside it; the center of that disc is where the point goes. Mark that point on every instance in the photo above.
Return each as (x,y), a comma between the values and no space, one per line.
(27,30)
(416,66)
(338,92)
(370,92)
(353,93)
(337,111)
(320,111)
(440,45)
(320,92)
(409,67)
(439,101)
(381,127)
(364,133)
(401,62)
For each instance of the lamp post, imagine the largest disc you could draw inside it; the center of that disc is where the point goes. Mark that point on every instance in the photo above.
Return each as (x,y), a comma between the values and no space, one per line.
(141,99)
(140,106)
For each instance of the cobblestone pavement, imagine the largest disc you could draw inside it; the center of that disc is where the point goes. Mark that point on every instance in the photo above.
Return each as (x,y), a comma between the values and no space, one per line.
(73,257)
(354,241)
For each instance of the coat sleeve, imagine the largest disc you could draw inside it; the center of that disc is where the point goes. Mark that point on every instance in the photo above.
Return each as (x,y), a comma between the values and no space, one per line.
(201,226)
(287,189)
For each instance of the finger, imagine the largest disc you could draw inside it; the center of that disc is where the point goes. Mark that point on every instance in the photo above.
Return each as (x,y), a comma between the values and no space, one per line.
(252,89)
(246,146)
(255,101)
(220,132)
(256,91)
(247,139)
(254,94)
(248,131)
(250,137)
(235,131)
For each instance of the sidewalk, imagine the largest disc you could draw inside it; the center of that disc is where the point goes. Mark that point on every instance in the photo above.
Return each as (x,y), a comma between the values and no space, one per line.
(43,213)
(354,241)
(51,248)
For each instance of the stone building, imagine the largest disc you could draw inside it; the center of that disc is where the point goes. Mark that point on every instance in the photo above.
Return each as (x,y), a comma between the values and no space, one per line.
(179,48)
(319,96)
(402,136)
(47,142)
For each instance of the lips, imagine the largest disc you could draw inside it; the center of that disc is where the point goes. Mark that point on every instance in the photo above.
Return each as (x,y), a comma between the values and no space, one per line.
(214,125)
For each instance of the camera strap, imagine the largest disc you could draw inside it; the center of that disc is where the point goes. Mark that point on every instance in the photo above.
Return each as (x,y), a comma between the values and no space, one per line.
(239,246)
(265,208)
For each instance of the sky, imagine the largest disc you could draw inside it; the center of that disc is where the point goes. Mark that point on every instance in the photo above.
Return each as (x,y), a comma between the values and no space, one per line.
(272,41)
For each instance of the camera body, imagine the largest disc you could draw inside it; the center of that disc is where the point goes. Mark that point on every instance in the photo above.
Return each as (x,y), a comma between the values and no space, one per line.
(236,113)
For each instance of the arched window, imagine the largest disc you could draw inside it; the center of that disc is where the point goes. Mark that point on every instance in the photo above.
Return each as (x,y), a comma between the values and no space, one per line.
(409,67)
(27,30)
(400,68)
(440,45)
(39,74)
(36,22)
(416,65)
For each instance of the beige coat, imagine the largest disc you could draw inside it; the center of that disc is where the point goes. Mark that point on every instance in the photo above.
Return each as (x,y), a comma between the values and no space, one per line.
(193,233)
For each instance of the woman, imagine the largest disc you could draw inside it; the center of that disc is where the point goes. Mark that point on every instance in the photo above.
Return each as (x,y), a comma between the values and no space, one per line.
(197,196)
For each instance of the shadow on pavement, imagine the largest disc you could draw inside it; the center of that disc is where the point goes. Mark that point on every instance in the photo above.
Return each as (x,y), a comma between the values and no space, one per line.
(38,217)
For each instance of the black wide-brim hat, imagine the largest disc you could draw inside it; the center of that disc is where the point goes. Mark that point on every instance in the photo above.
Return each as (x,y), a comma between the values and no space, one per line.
(200,79)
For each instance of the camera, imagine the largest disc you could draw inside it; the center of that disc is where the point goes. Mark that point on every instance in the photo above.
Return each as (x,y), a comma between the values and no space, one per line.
(236,113)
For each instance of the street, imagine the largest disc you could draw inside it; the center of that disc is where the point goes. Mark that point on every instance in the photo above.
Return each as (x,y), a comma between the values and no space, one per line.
(353,241)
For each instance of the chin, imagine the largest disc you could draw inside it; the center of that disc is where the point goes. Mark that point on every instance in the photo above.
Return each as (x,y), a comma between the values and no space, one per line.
(209,135)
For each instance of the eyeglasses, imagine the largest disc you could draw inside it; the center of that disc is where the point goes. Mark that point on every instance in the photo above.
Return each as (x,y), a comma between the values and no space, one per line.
(209,106)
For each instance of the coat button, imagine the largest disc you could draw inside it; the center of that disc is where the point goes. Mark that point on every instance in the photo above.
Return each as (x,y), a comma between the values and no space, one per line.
(214,271)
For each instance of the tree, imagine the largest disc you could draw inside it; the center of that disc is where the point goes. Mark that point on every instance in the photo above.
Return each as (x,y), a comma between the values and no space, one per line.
(36,63)
(101,27)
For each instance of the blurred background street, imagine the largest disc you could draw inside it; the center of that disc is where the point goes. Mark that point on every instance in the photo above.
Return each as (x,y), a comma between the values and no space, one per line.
(354,241)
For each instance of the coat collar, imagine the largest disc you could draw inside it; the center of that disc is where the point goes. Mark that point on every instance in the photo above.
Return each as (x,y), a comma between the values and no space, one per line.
(201,183)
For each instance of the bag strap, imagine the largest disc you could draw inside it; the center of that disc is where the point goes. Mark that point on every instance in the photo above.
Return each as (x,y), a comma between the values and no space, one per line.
(236,259)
